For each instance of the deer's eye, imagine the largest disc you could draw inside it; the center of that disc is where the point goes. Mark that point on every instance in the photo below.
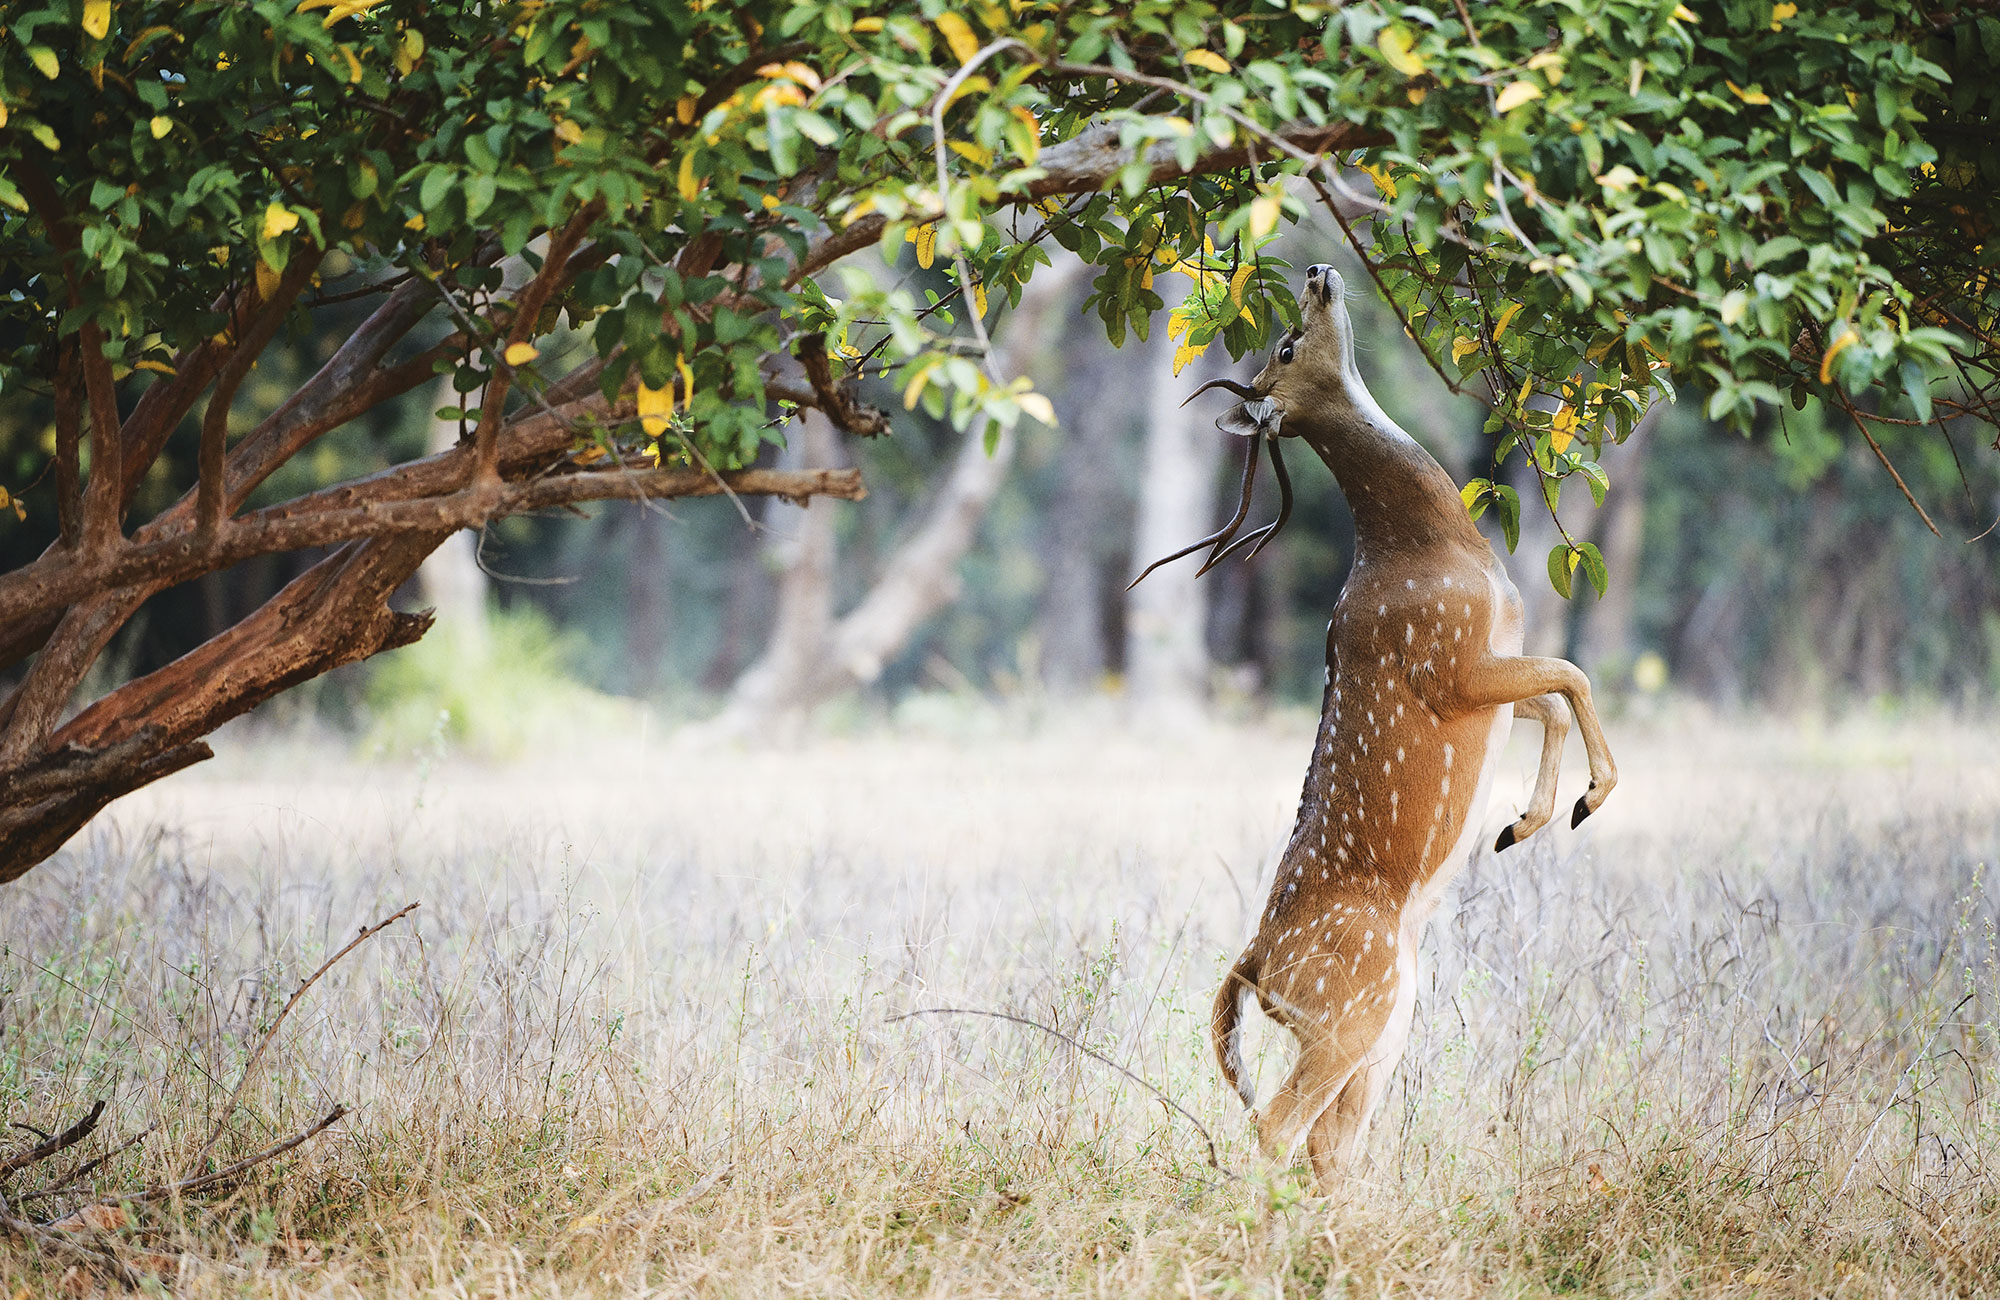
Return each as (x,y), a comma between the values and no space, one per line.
(1285,355)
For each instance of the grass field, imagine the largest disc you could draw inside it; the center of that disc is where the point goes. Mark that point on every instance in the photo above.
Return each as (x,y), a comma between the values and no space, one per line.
(1734,1037)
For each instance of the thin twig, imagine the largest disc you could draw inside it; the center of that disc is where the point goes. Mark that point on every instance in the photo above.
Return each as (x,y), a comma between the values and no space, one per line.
(1847,404)
(257,1057)
(1094,1055)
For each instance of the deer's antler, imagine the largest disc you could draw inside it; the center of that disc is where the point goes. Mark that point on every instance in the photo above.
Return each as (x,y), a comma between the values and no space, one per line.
(1235,386)
(1221,536)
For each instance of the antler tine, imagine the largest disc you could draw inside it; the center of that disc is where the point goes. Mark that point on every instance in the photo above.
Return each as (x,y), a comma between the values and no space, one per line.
(1242,390)
(1258,540)
(1284,500)
(1221,536)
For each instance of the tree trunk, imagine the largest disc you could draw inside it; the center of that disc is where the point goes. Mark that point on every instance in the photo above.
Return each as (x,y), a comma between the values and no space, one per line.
(1166,649)
(788,676)
(1099,396)
(811,658)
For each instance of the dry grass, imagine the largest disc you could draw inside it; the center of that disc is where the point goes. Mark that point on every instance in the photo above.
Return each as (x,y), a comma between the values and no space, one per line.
(1735,1037)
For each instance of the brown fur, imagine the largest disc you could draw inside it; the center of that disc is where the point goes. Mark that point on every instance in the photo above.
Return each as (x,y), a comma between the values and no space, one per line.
(1424,674)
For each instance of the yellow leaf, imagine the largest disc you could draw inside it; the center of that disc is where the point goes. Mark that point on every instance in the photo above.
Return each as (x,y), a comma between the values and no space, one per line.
(1847,340)
(1462,346)
(1394,42)
(979,298)
(1385,184)
(415,223)
(1178,322)
(1747,96)
(3,114)
(958,34)
(690,184)
(915,388)
(1516,94)
(278,219)
(569,132)
(687,381)
(157,367)
(867,24)
(354,73)
(684,109)
(1507,315)
(977,155)
(1781,12)
(159,126)
(97,18)
(656,407)
(1563,428)
(520,354)
(770,202)
(802,74)
(1619,179)
(1685,14)
(267,279)
(1239,280)
(410,52)
(1031,143)
(1187,352)
(1470,493)
(44,60)
(1264,211)
(925,238)
(1038,406)
(1207,59)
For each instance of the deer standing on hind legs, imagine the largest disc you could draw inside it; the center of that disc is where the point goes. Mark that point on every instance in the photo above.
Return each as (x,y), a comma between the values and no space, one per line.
(1424,679)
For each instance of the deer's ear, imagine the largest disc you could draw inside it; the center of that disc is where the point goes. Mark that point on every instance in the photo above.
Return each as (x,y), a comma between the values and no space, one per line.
(1247,419)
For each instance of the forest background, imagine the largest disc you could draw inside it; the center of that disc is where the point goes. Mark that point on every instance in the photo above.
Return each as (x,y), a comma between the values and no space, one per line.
(1782,570)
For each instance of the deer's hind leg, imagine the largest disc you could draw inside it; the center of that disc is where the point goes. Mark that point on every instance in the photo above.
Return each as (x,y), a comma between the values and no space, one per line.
(1340,1135)
(1548,711)
(1317,1079)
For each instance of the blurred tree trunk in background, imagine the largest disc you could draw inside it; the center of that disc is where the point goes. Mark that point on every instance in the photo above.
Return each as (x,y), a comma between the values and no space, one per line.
(1166,646)
(1084,547)
(1606,640)
(801,543)
(811,658)
(450,580)
(648,571)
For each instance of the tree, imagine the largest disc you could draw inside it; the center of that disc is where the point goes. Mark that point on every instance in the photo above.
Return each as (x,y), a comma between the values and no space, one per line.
(1755,199)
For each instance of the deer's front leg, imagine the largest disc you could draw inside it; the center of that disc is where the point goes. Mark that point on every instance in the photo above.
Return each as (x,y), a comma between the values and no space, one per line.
(1542,804)
(1495,681)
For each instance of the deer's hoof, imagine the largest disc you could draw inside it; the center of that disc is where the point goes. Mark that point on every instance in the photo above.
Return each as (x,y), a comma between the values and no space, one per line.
(1506,840)
(1582,811)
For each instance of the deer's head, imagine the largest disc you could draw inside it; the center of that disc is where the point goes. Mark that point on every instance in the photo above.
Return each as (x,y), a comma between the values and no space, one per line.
(1311,368)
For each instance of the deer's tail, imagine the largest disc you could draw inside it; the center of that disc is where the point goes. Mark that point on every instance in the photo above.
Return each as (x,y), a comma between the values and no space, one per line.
(1225,1026)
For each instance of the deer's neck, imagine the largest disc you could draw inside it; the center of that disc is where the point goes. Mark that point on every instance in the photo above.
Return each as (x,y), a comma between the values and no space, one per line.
(1401,497)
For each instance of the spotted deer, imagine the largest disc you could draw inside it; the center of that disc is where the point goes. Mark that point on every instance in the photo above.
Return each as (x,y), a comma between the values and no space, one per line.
(1424,678)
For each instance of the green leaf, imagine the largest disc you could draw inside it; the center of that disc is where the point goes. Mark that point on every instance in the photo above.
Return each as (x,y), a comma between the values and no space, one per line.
(1560,572)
